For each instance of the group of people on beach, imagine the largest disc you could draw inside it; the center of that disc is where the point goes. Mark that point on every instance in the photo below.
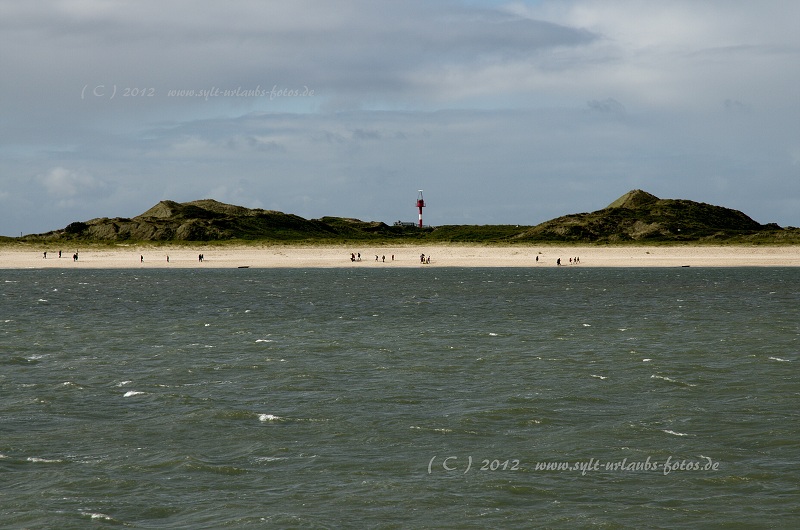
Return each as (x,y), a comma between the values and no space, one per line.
(353,257)
(200,257)
(74,256)
(356,256)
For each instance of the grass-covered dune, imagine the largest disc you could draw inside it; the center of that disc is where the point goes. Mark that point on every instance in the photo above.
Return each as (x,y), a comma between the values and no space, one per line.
(636,217)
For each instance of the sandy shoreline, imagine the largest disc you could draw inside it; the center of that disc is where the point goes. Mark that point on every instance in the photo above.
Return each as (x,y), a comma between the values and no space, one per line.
(404,256)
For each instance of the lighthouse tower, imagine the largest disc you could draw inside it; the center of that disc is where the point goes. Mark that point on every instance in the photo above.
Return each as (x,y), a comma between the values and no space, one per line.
(420,205)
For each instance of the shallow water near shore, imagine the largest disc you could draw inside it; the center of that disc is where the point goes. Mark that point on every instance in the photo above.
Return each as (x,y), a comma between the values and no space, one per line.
(476,397)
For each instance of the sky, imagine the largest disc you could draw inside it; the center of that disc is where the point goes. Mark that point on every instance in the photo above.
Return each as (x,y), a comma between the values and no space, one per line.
(502,112)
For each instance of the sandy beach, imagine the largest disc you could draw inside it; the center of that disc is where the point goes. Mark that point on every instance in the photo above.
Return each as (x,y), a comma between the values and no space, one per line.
(267,256)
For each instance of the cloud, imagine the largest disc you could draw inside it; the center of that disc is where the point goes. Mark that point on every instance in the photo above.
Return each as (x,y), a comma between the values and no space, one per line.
(71,187)
(62,182)
(503,112)
(607,105)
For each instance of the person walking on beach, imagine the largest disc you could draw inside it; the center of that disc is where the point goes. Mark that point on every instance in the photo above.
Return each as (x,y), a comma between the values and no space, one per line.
(558,261)
(141,259)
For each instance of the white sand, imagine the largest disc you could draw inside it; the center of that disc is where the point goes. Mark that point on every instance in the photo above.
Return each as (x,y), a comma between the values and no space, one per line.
(14,257)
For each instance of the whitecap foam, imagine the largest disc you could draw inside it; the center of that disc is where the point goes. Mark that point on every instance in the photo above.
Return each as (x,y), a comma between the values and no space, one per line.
(268,458)
(131,393)
(600,377)
(38,460)
(670,380)
(780,360)
(663,378)
(123,383)
(264,340)
(97,516)
(674,433)
(268,417)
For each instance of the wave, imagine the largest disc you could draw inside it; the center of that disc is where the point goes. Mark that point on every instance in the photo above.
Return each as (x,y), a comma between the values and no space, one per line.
(670,380)
(37,460)
(674,433)
(18,359)
(98,517)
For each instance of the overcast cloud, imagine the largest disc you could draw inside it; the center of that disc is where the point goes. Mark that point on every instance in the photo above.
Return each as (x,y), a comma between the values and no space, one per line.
(502,112)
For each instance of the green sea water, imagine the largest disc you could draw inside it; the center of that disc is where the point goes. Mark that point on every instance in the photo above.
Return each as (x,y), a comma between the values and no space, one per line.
(400,398)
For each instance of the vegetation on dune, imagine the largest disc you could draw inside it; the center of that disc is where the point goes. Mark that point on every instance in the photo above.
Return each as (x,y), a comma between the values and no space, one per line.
(642,217)
(636,217)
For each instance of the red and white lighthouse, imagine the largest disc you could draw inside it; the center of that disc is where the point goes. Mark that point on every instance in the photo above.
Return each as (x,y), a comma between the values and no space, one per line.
(420,205)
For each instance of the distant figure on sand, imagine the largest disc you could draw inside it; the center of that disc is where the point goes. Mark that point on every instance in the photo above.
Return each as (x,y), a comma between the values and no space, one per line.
(45,254)
(558,261)
(75,257)
(141,259)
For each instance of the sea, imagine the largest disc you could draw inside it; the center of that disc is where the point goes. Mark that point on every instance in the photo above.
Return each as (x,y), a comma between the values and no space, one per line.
(567,397)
